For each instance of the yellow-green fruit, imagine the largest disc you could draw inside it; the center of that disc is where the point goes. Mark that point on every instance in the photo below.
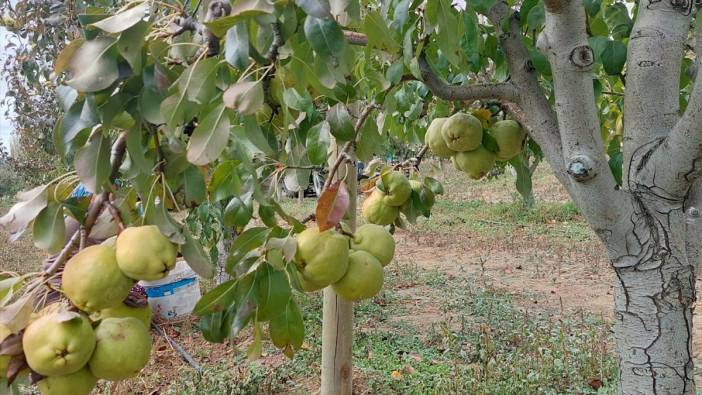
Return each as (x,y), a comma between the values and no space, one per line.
(143,253)
(435,140)
(93,281)
(510,138)
(307,285)
(363,280)
(476,163)
(123,348)
(4,359)
(323,256)
(425,194)
(76,383)
(376,212)
(375,240)
(397,188)
(462,132)
(58,343)
(143,313)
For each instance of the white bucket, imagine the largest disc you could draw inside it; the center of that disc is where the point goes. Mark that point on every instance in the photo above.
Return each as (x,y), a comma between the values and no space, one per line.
(175,295)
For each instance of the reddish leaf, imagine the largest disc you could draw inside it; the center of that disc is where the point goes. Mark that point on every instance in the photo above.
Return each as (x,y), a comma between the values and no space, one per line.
(332,205)
(12,345)
(16,365)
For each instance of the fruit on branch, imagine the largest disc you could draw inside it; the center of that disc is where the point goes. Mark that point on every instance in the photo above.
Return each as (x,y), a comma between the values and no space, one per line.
(93,281)
(435,140)
(462,132)
(375,211)
(375,240)
(322,256)
(363,279)
(307,285)
(476,163)
(396,187)
(58,343)
(425,194)
(123,348)
(81,382)
(143,253)
(143,313)
(510,138)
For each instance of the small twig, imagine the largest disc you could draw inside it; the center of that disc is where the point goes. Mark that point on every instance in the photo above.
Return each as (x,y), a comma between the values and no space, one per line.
(184,354)
(308,218)
(345,149)
(116,216)
(119,149)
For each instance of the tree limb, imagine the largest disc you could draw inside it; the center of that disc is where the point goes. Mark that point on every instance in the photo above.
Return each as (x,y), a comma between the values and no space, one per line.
(655,53)
(119,148)
(504,91)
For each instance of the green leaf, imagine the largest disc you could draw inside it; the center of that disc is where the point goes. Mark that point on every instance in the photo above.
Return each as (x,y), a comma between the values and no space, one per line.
(218,299)
(210,137)
(619,21)
(340,121)
(379,34)
(525,8)
(613,57)
(246,242)
(49,229)
(245,97)
(287,330)
(370,141)
(81,115)
(124,20)
(215,327)
(317,143)
(194,187)
(252,133)
(225,181)
(93,66)
(536,17)
(92,163)
(195,256)
(149,103)
(592,6)
(273,292)
(450,28)
(241,10)
(135,149)
(237,213)
(325,36)
(63,60)
(198,81)
(523,181)
(157,214)
(434,185)
(315,8)
(236,46)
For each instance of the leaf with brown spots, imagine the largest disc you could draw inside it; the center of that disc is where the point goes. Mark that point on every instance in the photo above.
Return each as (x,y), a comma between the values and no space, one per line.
(332,205)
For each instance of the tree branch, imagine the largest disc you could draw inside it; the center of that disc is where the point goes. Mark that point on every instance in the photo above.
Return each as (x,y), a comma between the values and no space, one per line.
(655,52)
(119,148)
(504,91)
(355,38)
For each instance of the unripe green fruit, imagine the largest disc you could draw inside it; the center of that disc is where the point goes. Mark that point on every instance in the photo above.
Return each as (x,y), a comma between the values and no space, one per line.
(363,279)
(58,343)
(375,240)
(323,256)
(143,253)
(143,314)
(397,188)
(510,138)
(93,281)
(123,348)
(462,132)
(81,382)
(375,211)
(476,163)
(307,285)
(435,140)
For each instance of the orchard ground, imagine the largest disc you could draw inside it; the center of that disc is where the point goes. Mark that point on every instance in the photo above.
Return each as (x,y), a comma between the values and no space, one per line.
(485,297)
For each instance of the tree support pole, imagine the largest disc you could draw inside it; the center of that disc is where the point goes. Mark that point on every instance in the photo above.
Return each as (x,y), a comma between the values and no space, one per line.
(337,313)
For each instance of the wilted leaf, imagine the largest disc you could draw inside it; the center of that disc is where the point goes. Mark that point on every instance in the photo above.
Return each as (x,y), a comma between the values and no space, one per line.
(16,315)
(93,66)
(124,20)
(22,213)
(332,205)
(246,97)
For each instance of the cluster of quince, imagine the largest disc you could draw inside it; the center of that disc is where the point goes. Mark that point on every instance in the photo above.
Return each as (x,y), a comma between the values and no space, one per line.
(391,196)
(104,339)
(460,137)
(353,266)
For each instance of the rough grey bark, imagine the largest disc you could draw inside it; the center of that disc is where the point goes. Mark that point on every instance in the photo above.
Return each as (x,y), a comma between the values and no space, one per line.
(652,225)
